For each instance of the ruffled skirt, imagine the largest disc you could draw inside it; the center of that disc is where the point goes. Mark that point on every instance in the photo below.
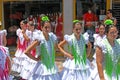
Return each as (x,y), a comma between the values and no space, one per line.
(27,69)
(95,75)
(17,61)
(93,71)
(40,72)
(72,71)
(106,77)
(69,74)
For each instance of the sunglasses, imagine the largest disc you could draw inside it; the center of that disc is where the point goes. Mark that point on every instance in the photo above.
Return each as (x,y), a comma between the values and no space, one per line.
(109,12)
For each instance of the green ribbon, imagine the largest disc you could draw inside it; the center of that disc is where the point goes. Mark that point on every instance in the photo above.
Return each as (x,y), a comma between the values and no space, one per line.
(108,22)
(76,21)
(84,55)
(53,55)
(45,18)
(75,54)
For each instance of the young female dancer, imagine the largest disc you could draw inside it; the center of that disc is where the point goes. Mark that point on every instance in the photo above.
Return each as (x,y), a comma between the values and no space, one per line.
(76,66)
(21,46)
(97,38)
(108,55)
(45,69)
(30,36)
(5,63)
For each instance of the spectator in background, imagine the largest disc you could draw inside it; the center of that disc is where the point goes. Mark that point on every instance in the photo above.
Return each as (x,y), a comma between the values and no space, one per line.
(89,18)
(59,27)
(109,15)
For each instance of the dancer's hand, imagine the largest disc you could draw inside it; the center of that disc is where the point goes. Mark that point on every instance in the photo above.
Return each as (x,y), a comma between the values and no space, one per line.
(38,58)
(23,31)
(102,79)
(69,55)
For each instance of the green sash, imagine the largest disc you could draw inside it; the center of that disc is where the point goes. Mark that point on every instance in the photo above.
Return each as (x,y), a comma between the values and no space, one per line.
(110,65)
(79,56)
(45,55)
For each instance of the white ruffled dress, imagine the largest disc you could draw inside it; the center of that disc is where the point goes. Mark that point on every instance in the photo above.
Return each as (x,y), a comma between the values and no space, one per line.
(4,53)
(29,64)
(41,72)
(22,44)
(93,70)
(73,71)
(114,51)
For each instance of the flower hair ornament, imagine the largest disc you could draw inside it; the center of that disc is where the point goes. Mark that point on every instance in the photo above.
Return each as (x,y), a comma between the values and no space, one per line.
(108,22)
(76,21)
(45,18)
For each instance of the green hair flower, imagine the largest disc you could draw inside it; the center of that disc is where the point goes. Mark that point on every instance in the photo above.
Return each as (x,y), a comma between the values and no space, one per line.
(45,18)
(108,22)
(76,21)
